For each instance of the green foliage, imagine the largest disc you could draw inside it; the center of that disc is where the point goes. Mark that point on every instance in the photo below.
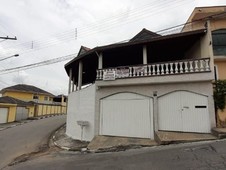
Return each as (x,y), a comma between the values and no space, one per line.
(219,94)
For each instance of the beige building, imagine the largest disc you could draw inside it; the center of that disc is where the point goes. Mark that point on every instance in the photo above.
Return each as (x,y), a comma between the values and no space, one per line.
(216,16)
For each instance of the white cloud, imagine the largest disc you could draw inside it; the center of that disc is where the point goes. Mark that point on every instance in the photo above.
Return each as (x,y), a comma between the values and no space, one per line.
(98,22)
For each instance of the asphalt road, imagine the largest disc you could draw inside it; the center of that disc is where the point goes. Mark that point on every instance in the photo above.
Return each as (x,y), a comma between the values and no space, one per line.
(27,138)
(195,156)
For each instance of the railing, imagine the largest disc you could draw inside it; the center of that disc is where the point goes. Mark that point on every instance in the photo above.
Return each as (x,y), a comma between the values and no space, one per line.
(155,69)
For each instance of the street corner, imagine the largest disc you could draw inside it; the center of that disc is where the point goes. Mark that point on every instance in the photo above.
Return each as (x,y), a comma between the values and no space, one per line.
(62,141)
(116,144)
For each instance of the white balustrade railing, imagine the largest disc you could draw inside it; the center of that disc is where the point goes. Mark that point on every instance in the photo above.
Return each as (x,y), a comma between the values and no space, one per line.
(156,69)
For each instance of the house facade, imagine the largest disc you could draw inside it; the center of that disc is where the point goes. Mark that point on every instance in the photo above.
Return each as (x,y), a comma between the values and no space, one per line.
(217,19)
(22,101)
(134,89)
(28,93)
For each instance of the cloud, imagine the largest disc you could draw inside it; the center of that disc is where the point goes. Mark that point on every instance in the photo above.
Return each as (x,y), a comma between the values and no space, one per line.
(51,24)
(21,78)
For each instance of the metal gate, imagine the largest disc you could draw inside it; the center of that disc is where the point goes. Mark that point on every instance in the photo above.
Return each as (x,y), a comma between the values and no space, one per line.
(128,115)
(183,111)
(21,113)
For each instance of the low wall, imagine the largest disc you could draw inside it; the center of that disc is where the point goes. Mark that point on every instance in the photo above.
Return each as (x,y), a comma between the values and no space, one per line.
(44,109)
(81,107)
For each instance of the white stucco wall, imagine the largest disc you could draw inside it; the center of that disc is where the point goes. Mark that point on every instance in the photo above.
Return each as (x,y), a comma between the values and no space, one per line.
(81,107)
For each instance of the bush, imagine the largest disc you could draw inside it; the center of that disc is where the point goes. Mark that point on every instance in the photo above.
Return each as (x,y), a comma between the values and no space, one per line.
(219,94)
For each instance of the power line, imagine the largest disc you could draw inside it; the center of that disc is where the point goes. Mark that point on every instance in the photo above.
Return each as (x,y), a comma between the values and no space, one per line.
(60,59)
(94,28)
(67,57)
(42,63)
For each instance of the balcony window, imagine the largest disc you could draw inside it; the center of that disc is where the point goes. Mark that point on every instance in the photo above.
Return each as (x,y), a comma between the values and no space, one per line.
(35,97)
(46,98)
(219,42)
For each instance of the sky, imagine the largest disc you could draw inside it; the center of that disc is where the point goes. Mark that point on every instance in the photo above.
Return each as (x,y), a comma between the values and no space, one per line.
(48,29)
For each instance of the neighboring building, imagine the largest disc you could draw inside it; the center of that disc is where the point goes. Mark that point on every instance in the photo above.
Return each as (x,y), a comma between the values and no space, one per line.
(151,83)
(28,93)
(22,101)
(12,109)
(216,16)
(60,99)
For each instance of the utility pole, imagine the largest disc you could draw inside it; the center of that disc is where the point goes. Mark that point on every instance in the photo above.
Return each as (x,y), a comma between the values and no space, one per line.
(8,38)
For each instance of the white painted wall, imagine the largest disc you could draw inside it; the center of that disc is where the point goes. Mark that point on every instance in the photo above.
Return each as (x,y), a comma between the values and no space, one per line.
(81,107)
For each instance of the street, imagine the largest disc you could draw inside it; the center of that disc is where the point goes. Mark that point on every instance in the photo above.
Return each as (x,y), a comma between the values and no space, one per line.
(28,143)
(202,156)
(27,138)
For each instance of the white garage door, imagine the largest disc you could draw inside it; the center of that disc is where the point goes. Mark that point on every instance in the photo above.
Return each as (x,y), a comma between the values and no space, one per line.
(183,111)
(128,115)
(3,115)
(21,113)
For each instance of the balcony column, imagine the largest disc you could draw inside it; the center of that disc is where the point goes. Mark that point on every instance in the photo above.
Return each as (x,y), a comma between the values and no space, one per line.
(210,43)
(69,83)
(73,84)
(145,59)
(80,69)
(100,61)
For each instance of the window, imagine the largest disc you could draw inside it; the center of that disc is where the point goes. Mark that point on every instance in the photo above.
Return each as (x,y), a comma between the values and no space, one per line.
(35,97)
(46,98)
(219,42)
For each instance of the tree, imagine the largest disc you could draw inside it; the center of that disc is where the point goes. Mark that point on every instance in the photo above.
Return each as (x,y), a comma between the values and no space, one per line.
(220,94)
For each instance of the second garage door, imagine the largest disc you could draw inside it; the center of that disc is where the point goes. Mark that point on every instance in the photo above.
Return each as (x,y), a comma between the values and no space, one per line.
(128,115)
(183,111)
(21,113)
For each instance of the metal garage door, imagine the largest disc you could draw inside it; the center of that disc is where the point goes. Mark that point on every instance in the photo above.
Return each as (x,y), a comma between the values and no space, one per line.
(183,111)
(3,115)
(128,115)
(21,113)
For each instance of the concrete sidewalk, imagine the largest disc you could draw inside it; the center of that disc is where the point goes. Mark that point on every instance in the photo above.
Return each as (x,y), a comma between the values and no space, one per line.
(61,140)
(112,144)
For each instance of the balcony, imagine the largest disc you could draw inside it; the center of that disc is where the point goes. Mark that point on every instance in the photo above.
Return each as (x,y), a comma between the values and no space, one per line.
(188,66)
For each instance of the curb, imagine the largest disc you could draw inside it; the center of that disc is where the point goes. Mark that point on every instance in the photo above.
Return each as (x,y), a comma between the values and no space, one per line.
(45,116)
(29,120)
(4,128)
(82,150)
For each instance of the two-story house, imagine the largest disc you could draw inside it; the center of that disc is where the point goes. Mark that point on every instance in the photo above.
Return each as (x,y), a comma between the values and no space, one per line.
(216,16)
(22,101)
(28,93)
(151,83)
